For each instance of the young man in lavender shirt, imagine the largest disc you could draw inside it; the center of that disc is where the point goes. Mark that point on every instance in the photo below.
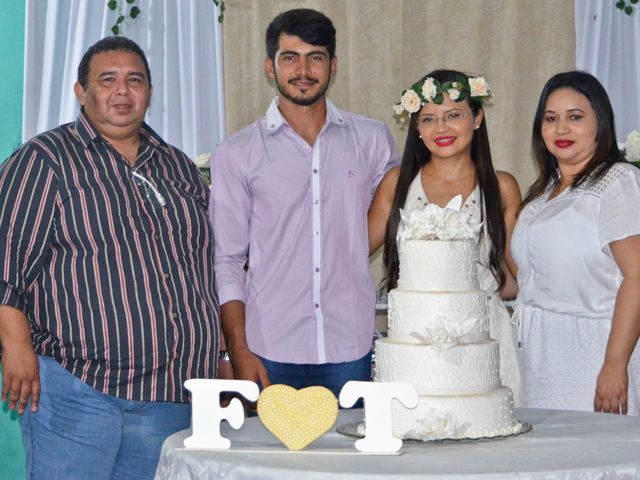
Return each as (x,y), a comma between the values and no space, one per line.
(289,202)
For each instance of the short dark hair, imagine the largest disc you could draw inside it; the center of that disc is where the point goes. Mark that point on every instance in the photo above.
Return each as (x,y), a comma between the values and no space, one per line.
(110,44)
(311,26)
(606,152)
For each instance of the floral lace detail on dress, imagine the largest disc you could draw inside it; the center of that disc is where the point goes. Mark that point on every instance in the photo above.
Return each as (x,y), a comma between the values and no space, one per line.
(598,187)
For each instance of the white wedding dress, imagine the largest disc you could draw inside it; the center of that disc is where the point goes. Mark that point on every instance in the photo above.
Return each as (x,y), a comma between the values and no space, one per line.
(500,327)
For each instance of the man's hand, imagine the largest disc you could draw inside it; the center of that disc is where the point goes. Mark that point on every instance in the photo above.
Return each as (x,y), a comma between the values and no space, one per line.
(20,377)
(20,372)
(247,366)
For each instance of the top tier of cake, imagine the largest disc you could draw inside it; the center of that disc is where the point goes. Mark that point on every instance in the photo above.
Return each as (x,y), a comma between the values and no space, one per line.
(438,265)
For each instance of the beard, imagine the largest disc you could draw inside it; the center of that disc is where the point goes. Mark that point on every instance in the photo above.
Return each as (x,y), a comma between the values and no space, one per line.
(302,100)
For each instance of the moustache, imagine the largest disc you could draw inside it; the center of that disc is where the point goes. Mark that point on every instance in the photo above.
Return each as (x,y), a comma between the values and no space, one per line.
(304,79)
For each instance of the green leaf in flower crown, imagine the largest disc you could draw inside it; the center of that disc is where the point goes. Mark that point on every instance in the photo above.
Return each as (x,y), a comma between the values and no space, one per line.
(462,96)
(112,4)
(116,30)
(438,99)
(463,80)
(135,11)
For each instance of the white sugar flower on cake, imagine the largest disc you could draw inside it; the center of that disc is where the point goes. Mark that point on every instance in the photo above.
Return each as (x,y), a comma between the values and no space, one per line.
(436,425)
(445,333)
(436,223)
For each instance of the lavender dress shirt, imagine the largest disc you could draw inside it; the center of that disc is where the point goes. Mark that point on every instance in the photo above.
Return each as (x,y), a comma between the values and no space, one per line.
(296,215)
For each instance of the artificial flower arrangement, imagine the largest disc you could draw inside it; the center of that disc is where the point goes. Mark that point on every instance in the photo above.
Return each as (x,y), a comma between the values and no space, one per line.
(202,162)
(632,147)
(432,91)
(436,223)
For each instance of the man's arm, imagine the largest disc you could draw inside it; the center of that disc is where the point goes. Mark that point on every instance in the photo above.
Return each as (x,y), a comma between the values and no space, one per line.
(246,365)
(28,188)
(230,212)
(20,375)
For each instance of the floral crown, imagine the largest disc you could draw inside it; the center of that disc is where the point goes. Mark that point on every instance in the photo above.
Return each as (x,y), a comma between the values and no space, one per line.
(432,91)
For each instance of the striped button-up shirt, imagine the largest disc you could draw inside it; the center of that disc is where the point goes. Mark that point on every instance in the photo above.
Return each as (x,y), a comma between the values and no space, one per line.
(112,264)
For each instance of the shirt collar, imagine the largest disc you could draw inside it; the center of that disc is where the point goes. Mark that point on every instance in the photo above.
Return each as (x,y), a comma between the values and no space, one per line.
(275,119)
(88,134)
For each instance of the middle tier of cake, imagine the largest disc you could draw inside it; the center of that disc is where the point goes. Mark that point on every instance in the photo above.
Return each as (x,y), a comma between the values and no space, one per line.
(415,317)
(462,369)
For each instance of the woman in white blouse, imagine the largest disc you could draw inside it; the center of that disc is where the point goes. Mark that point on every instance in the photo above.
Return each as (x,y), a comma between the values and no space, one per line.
(577,249)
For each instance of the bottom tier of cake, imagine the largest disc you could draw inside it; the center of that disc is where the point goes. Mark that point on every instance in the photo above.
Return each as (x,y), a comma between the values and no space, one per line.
(455,417)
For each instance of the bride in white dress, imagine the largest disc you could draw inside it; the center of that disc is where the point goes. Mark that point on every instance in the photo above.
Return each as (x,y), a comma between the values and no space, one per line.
(447,154)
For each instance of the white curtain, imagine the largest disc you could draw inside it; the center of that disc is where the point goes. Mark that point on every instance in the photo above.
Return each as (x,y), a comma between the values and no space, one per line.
(183,43)
(608,46)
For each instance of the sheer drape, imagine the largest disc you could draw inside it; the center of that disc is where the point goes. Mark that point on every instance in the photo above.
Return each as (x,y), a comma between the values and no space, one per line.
(608,46)
(183,43)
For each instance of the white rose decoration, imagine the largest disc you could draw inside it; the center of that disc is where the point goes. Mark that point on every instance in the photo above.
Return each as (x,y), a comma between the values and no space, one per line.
(453,94)
(479,87)
(398,109)
(437,424)
(202,160)
(410,101)
(433,222)
(429,90)
(632,146)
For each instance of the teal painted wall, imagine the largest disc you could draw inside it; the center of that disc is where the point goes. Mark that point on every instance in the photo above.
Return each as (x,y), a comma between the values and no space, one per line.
(12,55)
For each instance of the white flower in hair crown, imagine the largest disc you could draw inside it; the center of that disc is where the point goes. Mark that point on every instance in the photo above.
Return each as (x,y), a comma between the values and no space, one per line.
(432,91)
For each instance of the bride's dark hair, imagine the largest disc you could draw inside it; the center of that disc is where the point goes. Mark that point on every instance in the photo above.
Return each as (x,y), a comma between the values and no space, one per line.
(416,155)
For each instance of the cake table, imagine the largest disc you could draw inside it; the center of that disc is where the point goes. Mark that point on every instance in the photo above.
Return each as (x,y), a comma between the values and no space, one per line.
(562,444)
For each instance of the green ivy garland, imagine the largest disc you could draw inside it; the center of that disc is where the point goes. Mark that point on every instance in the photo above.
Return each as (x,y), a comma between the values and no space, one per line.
(626,6)
(134,11)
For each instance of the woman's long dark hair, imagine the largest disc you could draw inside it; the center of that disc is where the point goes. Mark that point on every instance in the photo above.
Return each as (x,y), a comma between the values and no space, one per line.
(415,156)
(606,153)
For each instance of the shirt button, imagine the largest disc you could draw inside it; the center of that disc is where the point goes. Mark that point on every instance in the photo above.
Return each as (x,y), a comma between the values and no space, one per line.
(315,170)
(166,275)
(317,269)
(316,233)
(174,315)
(156,237)
(315,201)
(317,305)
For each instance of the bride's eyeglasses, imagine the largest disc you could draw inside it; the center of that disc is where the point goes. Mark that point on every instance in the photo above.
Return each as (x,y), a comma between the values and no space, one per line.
(452,117)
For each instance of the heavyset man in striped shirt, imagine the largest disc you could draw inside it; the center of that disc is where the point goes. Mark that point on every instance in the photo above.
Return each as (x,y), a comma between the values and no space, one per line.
(107,288)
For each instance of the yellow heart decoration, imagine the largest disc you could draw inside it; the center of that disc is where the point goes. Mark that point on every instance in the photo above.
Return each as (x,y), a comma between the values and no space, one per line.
(297,417)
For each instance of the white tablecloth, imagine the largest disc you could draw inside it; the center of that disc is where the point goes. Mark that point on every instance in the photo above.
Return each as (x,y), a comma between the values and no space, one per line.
(562,444)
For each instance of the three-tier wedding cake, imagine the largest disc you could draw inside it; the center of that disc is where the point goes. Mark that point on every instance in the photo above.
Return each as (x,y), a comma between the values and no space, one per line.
(438,338)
